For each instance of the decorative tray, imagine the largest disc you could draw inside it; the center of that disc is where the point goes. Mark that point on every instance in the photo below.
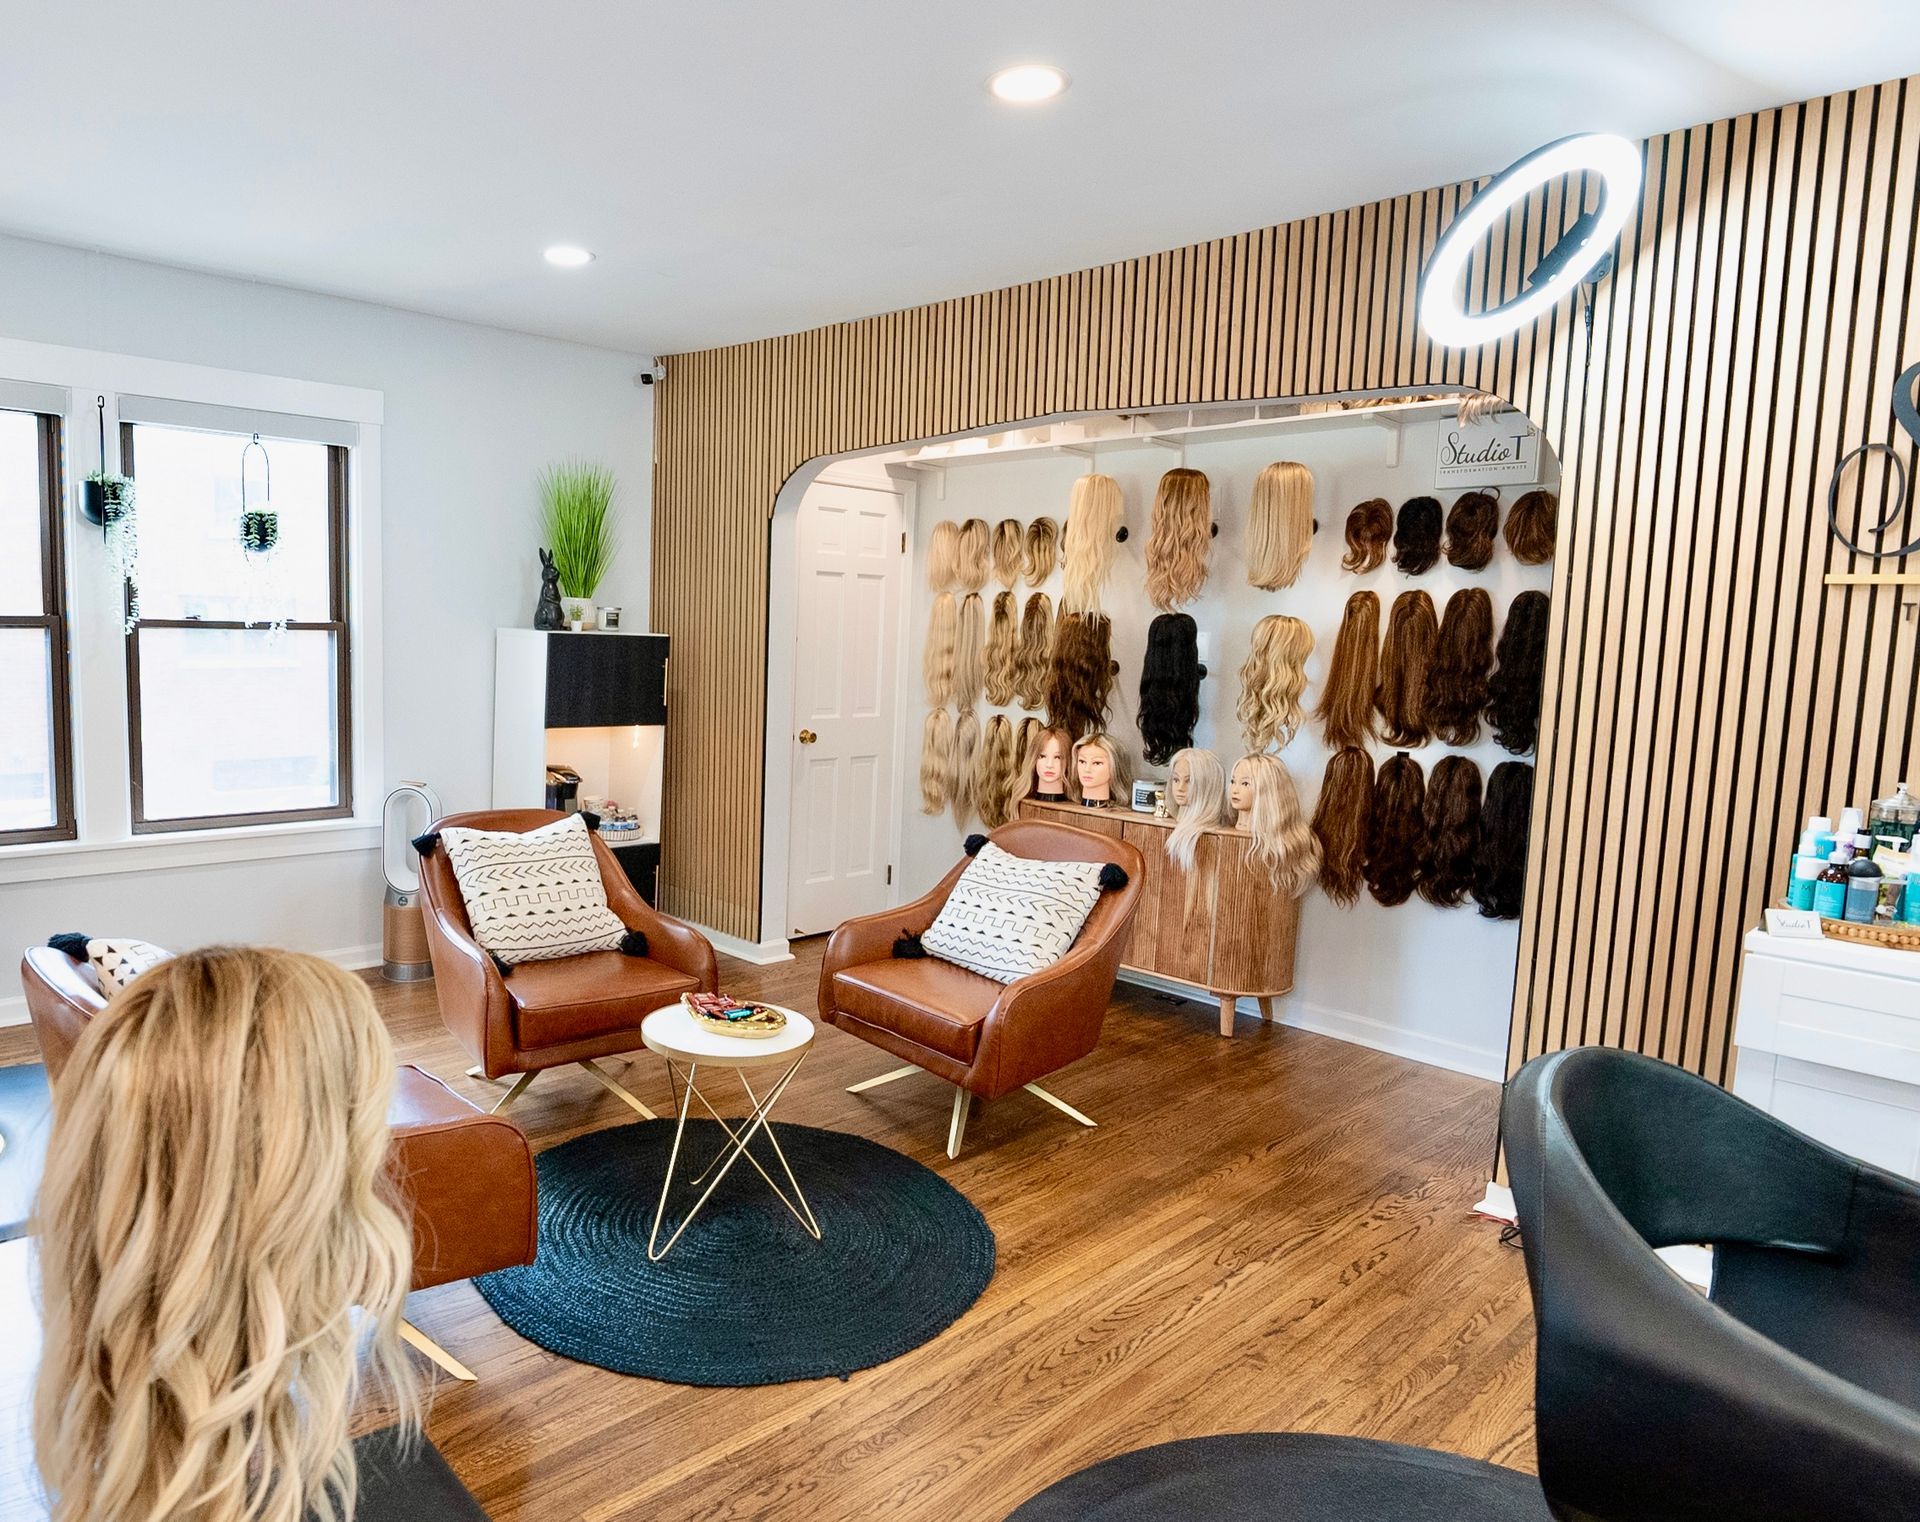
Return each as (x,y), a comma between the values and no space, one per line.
(1893,937)
(734,1017)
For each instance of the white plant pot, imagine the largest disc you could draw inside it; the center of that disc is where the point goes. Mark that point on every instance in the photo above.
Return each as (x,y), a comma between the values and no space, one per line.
(579,610)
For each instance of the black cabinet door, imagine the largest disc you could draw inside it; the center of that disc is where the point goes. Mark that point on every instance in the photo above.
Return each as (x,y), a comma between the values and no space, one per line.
(601,679)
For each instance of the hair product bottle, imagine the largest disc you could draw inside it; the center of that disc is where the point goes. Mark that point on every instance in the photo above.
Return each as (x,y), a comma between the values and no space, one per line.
(1830,890)
(1806,872)
(1863,882)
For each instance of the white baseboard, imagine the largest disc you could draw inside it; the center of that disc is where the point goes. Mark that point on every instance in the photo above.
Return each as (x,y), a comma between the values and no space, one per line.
(760,953)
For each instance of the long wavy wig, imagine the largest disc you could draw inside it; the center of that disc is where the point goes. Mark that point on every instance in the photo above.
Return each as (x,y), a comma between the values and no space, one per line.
(1500,864)
(1340,823)
(1179,535)
(1513,691)
(936,761)
(969,652)
(1003,655)
(1089,545)
(1404,659)
(1034,651)
(1453,832)
(1272,680)
(1043,550)
(1009,552)
(1462,660)
(1169,687)
(975,543)
(966,755)
(943,556)
(1080,674)
(994,772)
(1396,830)
(1283,841)
(1279,525)
(943,641)
(1346,698)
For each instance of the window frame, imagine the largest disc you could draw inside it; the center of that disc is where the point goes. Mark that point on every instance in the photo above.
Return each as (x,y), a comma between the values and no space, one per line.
(55,620)
(337,623)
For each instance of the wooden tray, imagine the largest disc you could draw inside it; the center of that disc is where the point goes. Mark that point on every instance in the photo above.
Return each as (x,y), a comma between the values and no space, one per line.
(1893,937)
(759,1025)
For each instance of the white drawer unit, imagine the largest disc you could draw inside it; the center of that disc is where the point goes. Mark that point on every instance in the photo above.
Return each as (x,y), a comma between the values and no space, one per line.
(1829,1039)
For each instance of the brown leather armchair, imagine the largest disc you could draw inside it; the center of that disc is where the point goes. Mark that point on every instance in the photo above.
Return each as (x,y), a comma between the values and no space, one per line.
(571,1009)
(983,1037)
(466,1176)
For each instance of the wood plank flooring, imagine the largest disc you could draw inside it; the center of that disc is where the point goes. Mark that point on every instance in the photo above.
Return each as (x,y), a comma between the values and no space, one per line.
(1267,1233)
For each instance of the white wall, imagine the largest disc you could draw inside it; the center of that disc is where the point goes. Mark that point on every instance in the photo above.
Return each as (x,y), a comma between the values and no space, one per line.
(472,416)
(1435,984)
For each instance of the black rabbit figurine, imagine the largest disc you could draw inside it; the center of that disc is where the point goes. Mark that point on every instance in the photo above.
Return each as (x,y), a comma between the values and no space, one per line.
(549,614)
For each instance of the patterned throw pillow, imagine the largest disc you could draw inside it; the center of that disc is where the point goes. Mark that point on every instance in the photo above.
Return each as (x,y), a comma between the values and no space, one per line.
(1009,916)
(116,962)
(533,897)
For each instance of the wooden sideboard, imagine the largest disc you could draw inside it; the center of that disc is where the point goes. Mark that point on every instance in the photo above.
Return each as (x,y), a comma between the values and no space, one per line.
(1221,927)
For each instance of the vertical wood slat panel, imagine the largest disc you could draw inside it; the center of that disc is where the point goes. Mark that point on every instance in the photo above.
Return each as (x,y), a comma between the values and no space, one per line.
(1704,687)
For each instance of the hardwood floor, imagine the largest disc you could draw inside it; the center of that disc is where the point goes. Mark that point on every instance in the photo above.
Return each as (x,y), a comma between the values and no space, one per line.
(1267,1233)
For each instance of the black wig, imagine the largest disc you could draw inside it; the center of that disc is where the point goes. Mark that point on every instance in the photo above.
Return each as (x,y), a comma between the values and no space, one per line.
(1170,687)
(1416,535)
(1513,691)
(1500,864)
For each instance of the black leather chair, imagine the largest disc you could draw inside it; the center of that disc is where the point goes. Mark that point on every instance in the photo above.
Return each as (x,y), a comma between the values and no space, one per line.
(1791,1391)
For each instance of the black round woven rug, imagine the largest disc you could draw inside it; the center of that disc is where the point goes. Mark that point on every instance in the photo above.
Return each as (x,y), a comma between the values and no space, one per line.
(746,1297)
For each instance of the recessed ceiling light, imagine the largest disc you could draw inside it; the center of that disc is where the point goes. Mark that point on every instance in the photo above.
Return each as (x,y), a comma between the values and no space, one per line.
(568,256)
(1027,84)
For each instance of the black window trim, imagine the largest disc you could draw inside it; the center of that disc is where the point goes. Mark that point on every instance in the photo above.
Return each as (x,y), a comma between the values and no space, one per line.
(53,618)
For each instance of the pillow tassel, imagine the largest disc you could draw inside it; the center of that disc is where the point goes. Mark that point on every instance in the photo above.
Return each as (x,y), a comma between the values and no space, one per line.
(974,843)
(72,943)
(500,965)
(427,843)
(907,946)
(1113,877)
(634,943)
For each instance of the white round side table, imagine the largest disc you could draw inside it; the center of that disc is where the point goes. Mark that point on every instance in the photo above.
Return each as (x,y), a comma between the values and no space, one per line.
(687,1046)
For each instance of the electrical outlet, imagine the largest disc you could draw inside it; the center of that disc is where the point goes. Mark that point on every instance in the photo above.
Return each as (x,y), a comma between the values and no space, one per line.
(1202,640)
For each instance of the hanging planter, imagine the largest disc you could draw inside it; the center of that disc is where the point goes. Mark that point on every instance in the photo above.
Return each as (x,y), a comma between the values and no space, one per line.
(106,498)
(259,524)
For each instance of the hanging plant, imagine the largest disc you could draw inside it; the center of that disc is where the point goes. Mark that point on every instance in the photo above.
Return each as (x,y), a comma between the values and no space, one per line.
(123,554)
(259,530)
(106,498)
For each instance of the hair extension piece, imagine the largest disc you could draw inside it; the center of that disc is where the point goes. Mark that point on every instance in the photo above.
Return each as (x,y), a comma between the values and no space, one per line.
(1043,550)
(1009,552)
(1169,687)
(1002,655)
(1023,735)
(969,652)
(1080,673)
(943,638)
(1179,534)
(1035,649)
(1272,680)
(1119,769)
(1473,523)
(1462,659)
(1416,536)
(1453,832)
(936,761)
(1279,525)
(1396,830)
(1088,544)
(993,773)
(1283,841)
(1206,805)
(1026,784)
(966,750)
(943,556)
(975,539)
(1500,866)
(1513,691)
(1346,700)
(1533,522)
(1369,527)
(1340,823)
(1404,659)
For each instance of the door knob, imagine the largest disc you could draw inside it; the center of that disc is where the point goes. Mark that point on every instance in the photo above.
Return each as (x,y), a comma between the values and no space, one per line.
(807,737)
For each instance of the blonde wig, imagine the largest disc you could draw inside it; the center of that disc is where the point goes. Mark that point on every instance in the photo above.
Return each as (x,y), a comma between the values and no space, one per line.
(1412,632)
(215,1207)
(1279,525)
(993,773)
(1080,673)
(1036,649)
(1272,680)
(969,652)
(1120,788)
(1003,655)
(966,750)
(1022,738)
(1206,805)
(1009,552)
(1089,546)
(1346,701)
(975,540)
(1283,841)
(936,761)
(1043,550)
(943,556)
(1179,534)
(936,660)
(1036,741)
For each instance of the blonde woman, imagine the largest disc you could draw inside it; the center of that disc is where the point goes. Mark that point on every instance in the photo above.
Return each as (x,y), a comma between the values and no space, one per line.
(1267,806)
(1197,792)
(1179,535)
(1089,547)
(1279,525)
(219,1254)
(1272,681)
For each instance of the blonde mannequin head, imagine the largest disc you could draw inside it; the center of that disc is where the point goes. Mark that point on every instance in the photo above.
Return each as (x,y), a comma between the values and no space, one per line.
(1266,805)
(1101,768)
(1197,796)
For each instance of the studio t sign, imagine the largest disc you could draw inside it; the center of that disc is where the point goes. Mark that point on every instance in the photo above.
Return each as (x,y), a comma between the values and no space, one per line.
(1500,450)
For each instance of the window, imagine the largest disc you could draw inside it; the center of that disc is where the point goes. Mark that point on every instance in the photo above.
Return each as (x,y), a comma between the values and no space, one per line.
(36,771)
(238,664)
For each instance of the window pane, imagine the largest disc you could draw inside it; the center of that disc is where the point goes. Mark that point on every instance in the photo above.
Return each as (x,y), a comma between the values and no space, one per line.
(236,721)
(26,730)
(20,585)
(188,497)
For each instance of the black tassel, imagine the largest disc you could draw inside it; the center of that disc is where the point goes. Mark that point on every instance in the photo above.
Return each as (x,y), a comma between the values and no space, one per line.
(72,942)
(907,947)
(974,843)
(1112,878)
(428,843)
(499,966)
(592,819)
(634,943)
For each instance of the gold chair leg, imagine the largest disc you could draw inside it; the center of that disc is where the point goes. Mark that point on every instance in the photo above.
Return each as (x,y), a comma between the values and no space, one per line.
(957,1127)
(477,1071)
(1058,1103)
(873,1083)
(613,1087)
(519,1088)
(421,1343)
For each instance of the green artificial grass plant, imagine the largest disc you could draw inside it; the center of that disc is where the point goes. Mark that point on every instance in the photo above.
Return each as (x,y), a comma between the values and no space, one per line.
(576,502)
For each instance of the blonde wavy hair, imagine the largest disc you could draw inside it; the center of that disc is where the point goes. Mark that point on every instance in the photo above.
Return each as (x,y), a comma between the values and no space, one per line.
(943,640)
(1279,525)
(1043,550)
(216,1205)
(936,761)
(1206,805)
(1003,653)
(1009,552)
(966,750)
(1035,651)
(1272,681)
(1093,518)
(1179,534)
(994,772)
(969,652)
(1283,840)
(975,538)
(943,556)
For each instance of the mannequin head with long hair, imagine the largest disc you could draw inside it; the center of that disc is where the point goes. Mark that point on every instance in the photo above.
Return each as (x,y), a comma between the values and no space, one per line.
(1089,545)
(1272,679)
(1267,805)
(215,1207)
(1197,797)
(1179,534)
(1101,761)
(1046,767)
(1279,525)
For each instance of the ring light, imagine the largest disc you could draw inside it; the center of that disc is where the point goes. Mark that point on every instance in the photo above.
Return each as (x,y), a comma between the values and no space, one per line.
(1562,267)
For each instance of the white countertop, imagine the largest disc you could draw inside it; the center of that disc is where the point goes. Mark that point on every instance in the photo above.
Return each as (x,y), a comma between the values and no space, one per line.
(1828,952)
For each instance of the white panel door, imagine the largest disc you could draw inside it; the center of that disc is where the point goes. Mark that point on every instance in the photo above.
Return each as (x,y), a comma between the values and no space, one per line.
(852,567)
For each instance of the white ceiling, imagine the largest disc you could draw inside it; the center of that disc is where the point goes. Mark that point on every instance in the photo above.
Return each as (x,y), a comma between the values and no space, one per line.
(748,167)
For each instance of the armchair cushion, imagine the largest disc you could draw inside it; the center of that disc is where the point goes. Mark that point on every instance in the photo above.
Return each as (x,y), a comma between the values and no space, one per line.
(1010,916)
(533,896)
(926,1001)
(576,998)
(114,960)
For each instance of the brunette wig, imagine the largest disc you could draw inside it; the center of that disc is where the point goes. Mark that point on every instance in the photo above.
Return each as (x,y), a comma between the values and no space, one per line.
(1340,821)
(943,556)
(1080,673)
(975,541)
(994,773)
(966,751)
(969,652)
(1088,544)
(1513,691)
(1169,687)
(1035,649)
(936,660)
(1404,659)
(1462,659)
(1396,830)
(1043,550)
(1453,832)
(1532,523)
(1272,680)
(936,761)
(1279,525)
(1002,652)
(1179,535)
(1369,527)
(1346,701)
(1416,535)
(1009,551)
(1500,865)
(1473,522)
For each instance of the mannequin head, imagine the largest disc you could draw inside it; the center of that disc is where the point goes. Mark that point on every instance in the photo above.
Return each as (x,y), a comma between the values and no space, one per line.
(1197,795)
(1240,790)
(1101,770)
(1267,807)
(1048,765)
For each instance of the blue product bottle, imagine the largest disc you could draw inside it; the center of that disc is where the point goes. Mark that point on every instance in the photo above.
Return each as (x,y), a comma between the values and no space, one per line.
(1806,876)
(1910,905)
(1830,891)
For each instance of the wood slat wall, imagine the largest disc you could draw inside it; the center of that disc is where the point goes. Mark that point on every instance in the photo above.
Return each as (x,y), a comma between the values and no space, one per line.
(1704,687)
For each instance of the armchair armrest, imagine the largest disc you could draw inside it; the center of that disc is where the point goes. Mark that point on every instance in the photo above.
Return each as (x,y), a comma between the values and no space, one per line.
(870,938)
(670,941)
(472,994)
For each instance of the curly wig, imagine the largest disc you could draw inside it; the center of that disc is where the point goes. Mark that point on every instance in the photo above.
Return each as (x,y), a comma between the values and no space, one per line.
(969,652)
(936,761)
(1043,550)
(1036,647)
(1404,659)
(943,556)
(1009,552)
(1169,687)
(1457,674)
(1179,535)
(1283,842)
(1369,528)
(1473,522)
(1513,691)
(975,541)
(1088,545)
(1346,700)
(1272,680)
(943,639)
(1532,524)
(1500,864)
(1396,830)
(1453,832)
(1340,823)
(1080,673)
(1416,535)
(994,772)
(1003,655)
(1279,525)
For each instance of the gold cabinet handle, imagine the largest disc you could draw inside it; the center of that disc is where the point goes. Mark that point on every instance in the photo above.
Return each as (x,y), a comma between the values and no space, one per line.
(807,737)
